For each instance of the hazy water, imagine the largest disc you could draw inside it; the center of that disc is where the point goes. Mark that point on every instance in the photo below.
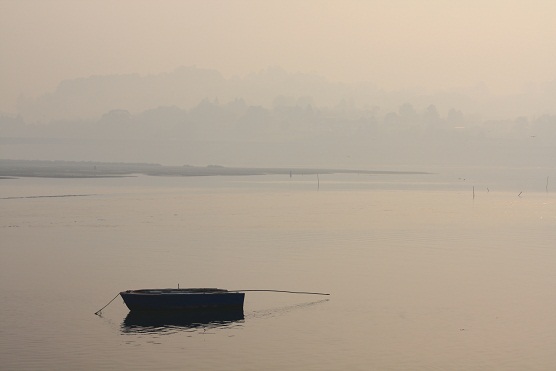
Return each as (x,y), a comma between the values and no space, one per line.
(422,275)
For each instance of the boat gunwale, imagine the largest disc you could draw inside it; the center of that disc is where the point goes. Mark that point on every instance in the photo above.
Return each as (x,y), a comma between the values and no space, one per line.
(184,291)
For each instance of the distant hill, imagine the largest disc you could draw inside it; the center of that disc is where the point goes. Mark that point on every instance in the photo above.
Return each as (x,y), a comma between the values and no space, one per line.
(91,97)
(271,118)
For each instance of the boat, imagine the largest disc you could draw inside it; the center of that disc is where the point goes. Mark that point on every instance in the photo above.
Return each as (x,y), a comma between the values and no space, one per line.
(182,299)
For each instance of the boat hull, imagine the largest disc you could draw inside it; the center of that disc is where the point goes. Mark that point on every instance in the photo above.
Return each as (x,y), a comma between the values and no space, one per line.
(181,299)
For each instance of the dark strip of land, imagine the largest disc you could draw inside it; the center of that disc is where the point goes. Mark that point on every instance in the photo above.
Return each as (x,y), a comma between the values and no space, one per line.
(75,169)
(50,196)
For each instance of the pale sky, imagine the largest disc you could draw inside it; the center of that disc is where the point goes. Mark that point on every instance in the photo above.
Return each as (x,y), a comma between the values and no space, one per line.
(395,44)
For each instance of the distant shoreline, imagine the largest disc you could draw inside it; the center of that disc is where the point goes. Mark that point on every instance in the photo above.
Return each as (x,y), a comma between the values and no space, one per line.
(10,169)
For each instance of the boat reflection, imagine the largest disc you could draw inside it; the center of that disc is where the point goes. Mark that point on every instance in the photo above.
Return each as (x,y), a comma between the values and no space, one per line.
(173,321)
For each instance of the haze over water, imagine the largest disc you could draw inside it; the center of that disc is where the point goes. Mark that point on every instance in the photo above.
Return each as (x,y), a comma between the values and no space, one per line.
(421,275)
(450,267)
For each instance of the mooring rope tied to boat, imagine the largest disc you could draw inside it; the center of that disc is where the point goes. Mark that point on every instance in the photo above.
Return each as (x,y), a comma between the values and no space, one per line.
(289,292)
(100,310)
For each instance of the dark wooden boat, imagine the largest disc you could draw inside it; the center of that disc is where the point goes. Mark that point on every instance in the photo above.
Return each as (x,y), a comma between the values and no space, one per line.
(182,299)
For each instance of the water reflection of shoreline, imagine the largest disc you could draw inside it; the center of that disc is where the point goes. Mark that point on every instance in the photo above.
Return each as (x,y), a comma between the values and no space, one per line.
(163,322)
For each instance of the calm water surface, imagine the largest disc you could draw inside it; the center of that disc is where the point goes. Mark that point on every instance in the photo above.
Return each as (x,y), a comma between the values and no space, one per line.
(421,275)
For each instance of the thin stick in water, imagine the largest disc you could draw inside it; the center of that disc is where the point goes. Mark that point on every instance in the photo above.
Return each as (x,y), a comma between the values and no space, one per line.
(289,292)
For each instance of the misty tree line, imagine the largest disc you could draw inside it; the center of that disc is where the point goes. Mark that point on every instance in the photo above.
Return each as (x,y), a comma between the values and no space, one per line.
(288,120)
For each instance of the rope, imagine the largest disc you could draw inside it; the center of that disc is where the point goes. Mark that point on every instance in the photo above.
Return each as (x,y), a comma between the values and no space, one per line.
(289,292)
(100,310)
